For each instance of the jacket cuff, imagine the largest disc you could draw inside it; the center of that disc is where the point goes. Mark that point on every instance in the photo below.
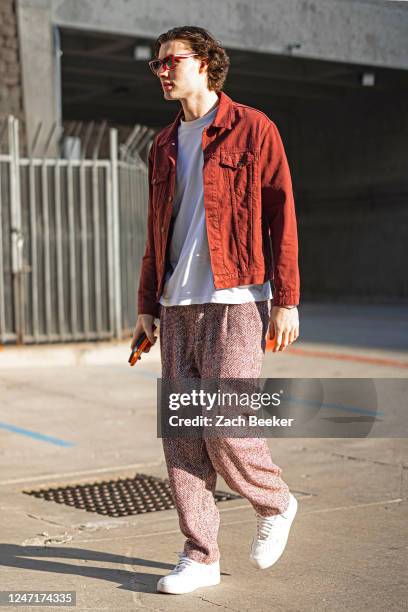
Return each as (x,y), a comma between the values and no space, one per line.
(148,307)
(285,297)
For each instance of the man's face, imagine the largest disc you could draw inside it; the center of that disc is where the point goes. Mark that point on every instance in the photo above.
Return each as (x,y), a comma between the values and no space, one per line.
(187,77)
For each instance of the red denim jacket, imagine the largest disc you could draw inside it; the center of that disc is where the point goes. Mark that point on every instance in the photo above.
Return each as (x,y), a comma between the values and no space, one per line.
(248,203)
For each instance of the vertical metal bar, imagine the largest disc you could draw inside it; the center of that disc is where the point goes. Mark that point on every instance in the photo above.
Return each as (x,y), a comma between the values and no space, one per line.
(20,239)
(47,254)
(109,253)
(16,235)
(58,238)
(124,223)
(84,249)
(131,259)
(71,234)
(115,232)
(2,296)
(33,250)
(97,250)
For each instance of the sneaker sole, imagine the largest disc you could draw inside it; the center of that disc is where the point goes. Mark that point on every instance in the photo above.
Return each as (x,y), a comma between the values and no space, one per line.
(173,591)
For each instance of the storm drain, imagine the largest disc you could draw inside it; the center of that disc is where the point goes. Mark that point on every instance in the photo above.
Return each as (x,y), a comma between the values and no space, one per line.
(121,497)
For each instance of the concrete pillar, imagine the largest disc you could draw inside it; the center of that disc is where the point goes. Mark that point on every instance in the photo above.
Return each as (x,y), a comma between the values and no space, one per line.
(39,73)
(10,72)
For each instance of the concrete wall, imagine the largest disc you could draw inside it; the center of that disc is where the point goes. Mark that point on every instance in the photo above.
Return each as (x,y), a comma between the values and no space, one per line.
(349,165)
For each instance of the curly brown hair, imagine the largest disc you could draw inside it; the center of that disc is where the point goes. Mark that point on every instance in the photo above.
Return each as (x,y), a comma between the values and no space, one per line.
(206,46)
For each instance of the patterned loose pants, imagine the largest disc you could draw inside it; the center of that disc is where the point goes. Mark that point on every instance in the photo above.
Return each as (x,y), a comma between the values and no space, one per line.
(216,341)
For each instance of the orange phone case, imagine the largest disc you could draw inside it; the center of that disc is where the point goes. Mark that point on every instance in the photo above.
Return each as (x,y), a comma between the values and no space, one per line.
(141,345)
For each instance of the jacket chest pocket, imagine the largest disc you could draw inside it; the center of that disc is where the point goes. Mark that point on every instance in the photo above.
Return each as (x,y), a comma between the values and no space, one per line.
(237,169)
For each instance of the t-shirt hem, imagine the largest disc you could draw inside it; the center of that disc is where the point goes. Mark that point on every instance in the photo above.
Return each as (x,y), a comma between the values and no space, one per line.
(194,300)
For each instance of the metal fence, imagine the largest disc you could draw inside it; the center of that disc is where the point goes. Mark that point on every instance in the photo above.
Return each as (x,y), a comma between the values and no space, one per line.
(72,235)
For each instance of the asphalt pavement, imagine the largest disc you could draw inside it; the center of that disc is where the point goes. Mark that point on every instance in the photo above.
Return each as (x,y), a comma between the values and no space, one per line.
(78,414)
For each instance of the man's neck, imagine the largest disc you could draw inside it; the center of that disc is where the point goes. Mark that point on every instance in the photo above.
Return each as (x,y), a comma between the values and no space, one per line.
(198,106)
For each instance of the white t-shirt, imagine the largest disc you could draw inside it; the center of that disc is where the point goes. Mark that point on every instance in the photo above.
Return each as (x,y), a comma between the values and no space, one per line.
(190,279)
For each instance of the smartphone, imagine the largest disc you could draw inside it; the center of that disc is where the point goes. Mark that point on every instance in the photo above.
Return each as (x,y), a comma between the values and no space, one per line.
(141,345)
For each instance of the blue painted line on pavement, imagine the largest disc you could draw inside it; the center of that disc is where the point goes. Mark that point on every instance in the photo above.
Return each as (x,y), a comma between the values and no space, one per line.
(36,435)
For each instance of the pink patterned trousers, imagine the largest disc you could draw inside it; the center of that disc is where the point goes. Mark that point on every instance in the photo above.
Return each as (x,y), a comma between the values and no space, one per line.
(216,341)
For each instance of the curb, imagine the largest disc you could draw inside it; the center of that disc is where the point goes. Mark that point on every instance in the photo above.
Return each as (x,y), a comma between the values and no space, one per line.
(95,353)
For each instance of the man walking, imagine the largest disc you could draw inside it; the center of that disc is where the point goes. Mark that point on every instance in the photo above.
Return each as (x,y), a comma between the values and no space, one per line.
(219,193)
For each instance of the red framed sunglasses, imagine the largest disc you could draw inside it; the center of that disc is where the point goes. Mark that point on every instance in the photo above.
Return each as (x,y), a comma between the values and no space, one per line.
(168,62)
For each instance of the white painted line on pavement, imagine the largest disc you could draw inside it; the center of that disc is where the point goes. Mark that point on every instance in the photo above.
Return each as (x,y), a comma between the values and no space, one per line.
(54,477)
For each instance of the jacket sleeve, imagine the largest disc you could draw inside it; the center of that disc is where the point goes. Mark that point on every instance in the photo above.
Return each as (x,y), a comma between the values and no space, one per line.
(278,210)
(147,303)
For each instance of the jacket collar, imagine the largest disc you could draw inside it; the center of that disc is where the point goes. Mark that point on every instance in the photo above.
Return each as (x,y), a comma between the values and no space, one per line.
(223,118)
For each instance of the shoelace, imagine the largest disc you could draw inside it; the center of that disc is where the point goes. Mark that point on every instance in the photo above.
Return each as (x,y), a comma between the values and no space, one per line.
(182,563)
(265,524)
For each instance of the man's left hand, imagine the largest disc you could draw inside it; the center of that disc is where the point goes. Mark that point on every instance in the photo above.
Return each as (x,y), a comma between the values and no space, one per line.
(284,323)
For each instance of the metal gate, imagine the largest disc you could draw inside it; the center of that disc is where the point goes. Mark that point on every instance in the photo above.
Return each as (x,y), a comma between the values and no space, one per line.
(72,235)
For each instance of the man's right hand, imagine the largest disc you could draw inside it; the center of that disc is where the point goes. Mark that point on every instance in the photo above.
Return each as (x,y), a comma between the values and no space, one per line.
(144,324)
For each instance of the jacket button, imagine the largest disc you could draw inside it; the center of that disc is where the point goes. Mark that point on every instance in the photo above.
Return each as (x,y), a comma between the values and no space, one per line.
(153,181)
(162,229)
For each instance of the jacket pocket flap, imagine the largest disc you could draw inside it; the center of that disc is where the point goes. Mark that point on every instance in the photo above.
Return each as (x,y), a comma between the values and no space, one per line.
(235,159)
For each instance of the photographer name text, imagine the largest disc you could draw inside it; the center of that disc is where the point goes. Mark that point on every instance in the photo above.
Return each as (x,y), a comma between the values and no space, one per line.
(222,421)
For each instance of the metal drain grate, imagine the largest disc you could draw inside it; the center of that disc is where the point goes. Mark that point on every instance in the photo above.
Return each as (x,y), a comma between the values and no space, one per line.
(120,497)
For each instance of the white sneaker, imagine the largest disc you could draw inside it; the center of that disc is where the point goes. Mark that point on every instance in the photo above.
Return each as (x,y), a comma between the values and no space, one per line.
(272,535)
(189,575)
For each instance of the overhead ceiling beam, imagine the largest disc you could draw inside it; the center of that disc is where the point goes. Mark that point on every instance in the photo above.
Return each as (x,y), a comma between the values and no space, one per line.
(352,32)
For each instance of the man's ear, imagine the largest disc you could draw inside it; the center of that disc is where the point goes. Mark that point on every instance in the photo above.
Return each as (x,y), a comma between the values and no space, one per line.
(204,65)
